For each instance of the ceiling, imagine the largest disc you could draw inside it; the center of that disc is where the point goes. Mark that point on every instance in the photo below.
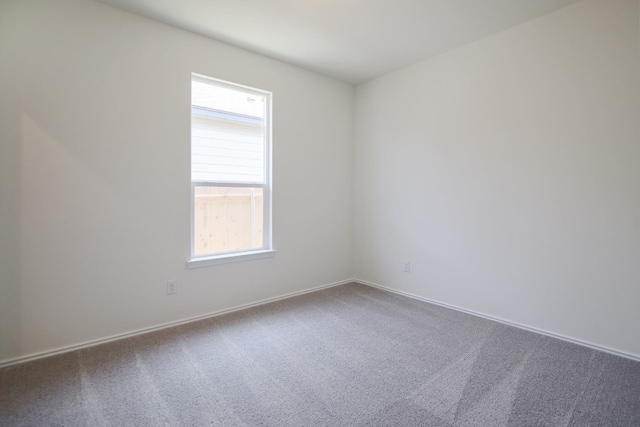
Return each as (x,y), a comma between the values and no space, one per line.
(350,40)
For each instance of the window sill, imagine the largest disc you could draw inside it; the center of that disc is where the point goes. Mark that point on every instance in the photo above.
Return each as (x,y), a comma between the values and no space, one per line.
(227,258)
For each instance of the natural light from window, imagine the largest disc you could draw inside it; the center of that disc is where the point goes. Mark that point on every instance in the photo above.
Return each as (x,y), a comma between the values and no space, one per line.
(230,169)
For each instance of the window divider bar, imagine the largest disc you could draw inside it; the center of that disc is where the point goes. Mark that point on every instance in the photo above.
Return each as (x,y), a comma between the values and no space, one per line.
(228,184)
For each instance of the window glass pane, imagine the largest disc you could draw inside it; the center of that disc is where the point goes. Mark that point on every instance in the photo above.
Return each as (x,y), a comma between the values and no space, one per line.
(204,94)
(227,219)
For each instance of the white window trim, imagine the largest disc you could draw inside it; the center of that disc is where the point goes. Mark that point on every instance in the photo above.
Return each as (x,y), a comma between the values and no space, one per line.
(267,251)
(230,257)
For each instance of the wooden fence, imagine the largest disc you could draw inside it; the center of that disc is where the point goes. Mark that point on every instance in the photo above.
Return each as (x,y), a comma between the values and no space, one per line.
(227,219)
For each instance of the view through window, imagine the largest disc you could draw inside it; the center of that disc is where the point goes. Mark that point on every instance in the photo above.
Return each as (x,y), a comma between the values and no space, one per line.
(230,168)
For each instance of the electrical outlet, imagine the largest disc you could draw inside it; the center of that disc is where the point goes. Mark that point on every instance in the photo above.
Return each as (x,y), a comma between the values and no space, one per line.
(172,287)
(407,266)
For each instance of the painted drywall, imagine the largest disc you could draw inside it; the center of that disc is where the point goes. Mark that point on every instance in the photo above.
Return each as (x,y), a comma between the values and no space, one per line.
(94,131)
(507,172)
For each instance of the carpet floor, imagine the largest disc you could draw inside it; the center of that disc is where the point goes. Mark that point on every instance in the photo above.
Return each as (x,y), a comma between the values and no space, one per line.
(345,356)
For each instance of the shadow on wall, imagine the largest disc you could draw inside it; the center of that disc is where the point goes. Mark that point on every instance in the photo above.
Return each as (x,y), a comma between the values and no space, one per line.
(10,243)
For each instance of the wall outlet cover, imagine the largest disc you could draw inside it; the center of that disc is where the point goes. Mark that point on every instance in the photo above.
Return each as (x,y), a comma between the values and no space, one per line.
(172,287)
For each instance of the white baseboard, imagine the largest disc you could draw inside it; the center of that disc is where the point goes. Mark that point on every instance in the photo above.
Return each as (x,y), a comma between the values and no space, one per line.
(92,343)
(507,322)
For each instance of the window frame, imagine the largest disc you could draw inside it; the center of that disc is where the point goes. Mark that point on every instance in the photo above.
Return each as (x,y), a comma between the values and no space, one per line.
(267,249)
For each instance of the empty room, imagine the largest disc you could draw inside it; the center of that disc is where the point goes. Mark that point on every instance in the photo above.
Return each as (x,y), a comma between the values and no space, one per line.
(320,213)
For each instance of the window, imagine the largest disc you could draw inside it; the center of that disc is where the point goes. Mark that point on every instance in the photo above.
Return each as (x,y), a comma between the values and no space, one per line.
(230,172)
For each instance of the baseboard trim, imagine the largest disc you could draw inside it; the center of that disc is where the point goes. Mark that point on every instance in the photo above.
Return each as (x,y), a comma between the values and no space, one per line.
(86,344)
(66,349)
(506,322)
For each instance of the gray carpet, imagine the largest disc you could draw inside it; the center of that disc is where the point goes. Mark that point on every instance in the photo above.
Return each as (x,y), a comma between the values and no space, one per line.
(350,355)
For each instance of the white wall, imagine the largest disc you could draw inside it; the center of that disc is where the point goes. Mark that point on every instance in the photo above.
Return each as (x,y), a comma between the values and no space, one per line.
(508,173)
(88,236)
